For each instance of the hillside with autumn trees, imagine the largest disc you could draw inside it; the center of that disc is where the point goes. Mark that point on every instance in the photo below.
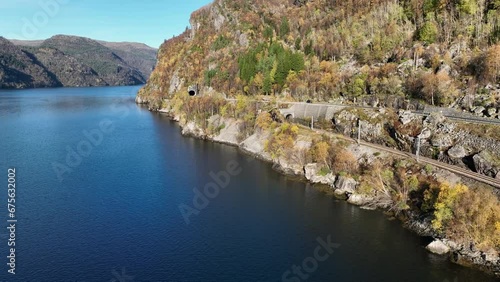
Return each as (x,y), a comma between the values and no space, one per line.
(445,53)
(436,51)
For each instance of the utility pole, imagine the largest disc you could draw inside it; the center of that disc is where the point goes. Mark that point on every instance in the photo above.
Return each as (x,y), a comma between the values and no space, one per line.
(418,148)
(359,131)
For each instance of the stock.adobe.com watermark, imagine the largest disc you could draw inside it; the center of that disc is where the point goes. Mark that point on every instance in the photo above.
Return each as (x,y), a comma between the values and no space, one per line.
(31,25)
(310,264)
(201,199)
(121,276)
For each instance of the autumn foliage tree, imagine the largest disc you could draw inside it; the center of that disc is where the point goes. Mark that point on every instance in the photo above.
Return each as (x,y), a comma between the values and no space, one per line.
(320,153)
(342,160)
(434,88)
(264,121)
(491,69)
(282,141)
(466,215)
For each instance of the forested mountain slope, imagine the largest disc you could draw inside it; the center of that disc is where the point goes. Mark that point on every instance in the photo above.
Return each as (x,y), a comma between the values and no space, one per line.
(73,62)
(434,50)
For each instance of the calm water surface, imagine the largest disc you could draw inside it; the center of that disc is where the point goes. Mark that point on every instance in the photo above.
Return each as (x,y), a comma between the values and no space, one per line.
(112,212)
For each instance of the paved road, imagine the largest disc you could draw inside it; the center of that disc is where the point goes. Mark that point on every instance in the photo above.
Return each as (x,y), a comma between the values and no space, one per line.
(463,118)
(471,119)
(474,120)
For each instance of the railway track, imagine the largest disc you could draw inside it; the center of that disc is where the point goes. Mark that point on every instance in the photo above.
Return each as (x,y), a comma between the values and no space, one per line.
(458,170)
(455,169)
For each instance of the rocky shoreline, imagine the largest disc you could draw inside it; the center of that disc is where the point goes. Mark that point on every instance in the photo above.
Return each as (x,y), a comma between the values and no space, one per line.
(343,187)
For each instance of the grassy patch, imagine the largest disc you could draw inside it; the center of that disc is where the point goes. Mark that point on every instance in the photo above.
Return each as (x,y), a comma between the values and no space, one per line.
(481,130)
(324,171)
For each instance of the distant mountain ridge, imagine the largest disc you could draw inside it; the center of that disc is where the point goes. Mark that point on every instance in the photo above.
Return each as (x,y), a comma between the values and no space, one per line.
(20,69)
(71,61)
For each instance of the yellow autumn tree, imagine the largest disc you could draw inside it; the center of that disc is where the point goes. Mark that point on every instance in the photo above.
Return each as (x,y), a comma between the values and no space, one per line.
(476,218)
(282,141)
(264,121)
(468,215)
(320,153)
(445,203)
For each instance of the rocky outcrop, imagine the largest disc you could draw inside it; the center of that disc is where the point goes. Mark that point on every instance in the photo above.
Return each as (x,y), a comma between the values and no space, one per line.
(448,141)
(441,141)
(192,129)
(467,255)
(457,152)
(406,117)
(434,119)
(219,18)
(479,111)
(492,112)
(345,186)
(313,172)
(141,100)
(359,200)
(243,40)
(226,131)
(255,144)
(438,247)
(345,121)
(487,163)
(348,122)
(176,83)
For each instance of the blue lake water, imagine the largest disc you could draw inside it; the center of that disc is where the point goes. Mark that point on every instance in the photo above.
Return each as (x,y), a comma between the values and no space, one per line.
(100,180)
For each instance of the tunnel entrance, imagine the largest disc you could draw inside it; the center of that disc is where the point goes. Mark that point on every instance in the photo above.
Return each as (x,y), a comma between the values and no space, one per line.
(193,90)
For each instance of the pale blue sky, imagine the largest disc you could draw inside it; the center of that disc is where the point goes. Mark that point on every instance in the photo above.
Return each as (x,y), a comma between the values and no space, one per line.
(146,21)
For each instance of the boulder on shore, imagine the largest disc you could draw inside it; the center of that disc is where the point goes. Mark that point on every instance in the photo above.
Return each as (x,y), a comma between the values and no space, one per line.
(313,173)
(345,185)
(438,247)
(192,129)
(359,199)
